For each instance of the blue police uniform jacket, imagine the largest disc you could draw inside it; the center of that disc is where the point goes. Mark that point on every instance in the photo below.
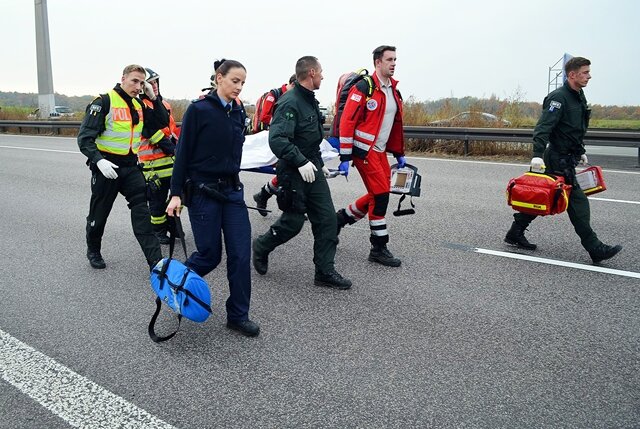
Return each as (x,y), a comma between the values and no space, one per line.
(210,145)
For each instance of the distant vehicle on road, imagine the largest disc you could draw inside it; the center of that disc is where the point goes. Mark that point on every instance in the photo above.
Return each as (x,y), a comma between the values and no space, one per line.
(324,113)
(58,112)
(62,111)
(472,119)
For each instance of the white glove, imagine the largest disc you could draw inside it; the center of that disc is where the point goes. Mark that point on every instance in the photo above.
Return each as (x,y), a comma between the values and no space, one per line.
(308,172)
(107,168)
(537,164)
(148,90)
(583,159)
(326,171)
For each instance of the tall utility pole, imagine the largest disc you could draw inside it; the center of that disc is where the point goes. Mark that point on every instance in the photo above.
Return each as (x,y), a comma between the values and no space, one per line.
(556,73)
(46,100)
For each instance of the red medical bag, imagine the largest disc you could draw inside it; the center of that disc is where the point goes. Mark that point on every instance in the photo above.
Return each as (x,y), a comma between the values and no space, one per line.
(590,180)
(538,194)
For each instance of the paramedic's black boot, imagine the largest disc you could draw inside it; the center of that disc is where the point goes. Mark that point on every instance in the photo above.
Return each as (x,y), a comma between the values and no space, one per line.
(245,327)
(331,279)
(261,199)
(515,236)
(603,251)
(95,260)
(383,256)
(260,260)
(343,219)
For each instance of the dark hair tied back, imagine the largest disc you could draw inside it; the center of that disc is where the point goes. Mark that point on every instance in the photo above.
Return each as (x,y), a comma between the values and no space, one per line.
(223,66)
(218,63)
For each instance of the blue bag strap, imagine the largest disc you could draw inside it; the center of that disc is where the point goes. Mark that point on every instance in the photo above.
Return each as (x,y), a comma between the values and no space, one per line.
(152,333)
(177,232)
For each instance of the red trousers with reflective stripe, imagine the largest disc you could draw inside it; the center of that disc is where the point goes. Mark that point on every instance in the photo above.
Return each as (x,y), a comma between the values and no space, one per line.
(376,175)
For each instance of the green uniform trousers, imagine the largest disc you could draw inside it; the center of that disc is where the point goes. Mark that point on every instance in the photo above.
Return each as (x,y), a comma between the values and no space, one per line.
(314,199)
(578,210)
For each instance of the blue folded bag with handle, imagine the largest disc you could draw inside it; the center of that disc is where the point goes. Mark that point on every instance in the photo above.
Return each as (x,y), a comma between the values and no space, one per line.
(179,287)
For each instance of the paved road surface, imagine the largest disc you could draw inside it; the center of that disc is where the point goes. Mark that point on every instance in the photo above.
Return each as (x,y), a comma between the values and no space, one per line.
(467,333)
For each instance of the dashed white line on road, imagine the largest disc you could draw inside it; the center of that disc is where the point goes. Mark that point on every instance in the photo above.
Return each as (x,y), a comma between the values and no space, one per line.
(584,267)
(41,150)
(614,201)
(72,397)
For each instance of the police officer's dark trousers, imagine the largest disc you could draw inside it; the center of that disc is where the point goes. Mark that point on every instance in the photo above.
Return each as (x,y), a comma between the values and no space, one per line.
(130,183)
(578,210)
(317,203)
(211,220)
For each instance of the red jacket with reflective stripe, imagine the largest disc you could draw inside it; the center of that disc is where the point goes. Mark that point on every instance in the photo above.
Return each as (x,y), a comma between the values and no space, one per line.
(361,121)
(149,150)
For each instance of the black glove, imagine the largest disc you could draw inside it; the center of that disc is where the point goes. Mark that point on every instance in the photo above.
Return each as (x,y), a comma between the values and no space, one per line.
(167,146)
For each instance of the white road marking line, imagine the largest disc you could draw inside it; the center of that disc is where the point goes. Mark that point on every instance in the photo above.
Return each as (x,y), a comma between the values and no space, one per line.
(72,397)
(28,136)
(77,152)
(558,263)
(525,166)
(615,201)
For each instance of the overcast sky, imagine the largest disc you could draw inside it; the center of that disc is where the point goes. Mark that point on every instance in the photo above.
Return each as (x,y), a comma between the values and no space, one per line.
(444,47)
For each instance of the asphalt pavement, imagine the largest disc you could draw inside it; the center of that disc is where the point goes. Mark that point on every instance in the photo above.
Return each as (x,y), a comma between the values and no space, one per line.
(468,333)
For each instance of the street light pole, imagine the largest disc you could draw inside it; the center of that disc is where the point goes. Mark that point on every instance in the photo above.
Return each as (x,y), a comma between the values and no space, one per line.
(46,100)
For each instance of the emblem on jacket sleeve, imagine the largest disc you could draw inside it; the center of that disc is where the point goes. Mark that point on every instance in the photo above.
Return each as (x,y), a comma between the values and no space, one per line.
(554,105)
(94,109)
(356,97)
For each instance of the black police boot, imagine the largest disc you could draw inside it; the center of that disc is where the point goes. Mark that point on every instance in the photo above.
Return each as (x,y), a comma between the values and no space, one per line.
(331,279)
(260,260)
(343,219)
(261,199)
(603,251)
(247,327)
(383,256)
(515,236)
(95,259)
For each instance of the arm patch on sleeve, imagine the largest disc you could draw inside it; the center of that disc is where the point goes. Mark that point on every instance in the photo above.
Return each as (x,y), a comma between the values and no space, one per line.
(553,105)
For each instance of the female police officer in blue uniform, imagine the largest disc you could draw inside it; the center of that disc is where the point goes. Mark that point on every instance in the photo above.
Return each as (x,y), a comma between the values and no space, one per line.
(206,172)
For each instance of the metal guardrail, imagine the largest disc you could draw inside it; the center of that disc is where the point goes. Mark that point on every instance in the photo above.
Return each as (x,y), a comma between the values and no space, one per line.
(594,137)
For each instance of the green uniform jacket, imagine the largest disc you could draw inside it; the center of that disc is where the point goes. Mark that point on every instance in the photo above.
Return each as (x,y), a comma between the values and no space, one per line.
(563,123)
(296,129)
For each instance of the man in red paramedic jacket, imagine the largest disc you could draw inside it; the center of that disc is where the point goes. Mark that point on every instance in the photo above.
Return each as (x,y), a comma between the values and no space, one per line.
(369,128)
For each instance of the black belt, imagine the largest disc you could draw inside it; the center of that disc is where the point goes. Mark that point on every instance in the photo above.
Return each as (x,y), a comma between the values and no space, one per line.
(129,160)
(223,182)
(553,149)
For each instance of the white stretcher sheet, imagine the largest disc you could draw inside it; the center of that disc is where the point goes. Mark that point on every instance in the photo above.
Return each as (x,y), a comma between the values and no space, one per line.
(257,153)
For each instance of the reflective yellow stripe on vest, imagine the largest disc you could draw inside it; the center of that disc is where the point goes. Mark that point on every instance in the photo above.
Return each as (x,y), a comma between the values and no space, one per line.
(161,168)
(120,135)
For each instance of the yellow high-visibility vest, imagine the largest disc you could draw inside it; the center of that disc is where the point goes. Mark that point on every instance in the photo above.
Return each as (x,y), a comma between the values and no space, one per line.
(120,135)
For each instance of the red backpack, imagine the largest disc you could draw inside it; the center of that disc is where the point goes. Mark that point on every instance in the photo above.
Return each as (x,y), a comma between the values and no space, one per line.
(256,124)
(345,83)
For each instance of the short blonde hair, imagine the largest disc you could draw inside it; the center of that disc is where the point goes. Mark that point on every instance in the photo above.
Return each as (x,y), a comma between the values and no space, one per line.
(133,68)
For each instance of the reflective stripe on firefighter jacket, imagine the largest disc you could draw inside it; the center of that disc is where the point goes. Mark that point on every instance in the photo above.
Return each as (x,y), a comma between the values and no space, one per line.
(361,121)
(153,158)
(120,135)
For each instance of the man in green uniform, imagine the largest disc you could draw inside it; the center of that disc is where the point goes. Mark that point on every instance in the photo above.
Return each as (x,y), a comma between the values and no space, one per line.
(558,137)
(295,135)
